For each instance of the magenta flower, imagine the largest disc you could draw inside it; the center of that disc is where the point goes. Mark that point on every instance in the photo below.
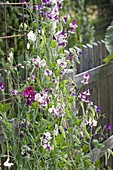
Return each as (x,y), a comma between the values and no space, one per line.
(29,94)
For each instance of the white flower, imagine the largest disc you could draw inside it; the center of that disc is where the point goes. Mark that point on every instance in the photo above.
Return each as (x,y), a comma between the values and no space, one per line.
(7,163)
(28,46)
(62,63)
(38,62)
(47,135)
(48,72)
(31,36)
(92,122)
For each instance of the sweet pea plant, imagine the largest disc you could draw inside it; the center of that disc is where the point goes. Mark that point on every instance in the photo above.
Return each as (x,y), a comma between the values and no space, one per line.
(46,122)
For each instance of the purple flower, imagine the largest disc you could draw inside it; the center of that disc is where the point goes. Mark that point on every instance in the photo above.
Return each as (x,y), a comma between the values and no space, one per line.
(1,86)
(22,134)
(14,92)
(65,19)
(29,94)
(42,13)
(107,126)
(35,7)
(97,109)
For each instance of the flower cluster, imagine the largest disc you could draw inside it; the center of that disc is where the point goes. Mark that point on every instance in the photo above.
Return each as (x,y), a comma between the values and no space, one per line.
(84,96)
(29,95)
(72,26)
(57,112)
(38,62)
(42,98)
(45,141)
(52,14)
(60,38)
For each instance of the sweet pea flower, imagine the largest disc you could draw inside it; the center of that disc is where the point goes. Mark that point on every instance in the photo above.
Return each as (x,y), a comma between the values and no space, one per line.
(47,136)
(62,63)
(48,72)
(84,96)
(31,36)
(86,78)
(93,122)
(29,95)
(45,141)
(38,62)
(60,38)
(72,26)
(7,163)
(107,126)
(57,112)
(1,86)
(42,98)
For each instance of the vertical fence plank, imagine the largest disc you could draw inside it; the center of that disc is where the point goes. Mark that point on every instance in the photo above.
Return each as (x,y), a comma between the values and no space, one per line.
(95,53)
(104,50)
(84,65)
(99,52)
(90,56)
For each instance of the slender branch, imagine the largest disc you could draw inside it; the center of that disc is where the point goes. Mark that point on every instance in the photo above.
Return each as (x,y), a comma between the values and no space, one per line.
(12,36)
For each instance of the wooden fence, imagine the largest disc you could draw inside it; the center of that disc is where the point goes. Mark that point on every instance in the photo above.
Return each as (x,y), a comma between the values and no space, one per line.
(100,85)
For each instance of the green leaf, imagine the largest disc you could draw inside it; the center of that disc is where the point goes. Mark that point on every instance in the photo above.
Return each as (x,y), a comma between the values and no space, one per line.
(6,107)
(35,105)
(67,162)
(108,58)
(100,145)
(85,148)
(68,113)
(1,107)
(97,164)
(53,44)
(109,38)
(95,142)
